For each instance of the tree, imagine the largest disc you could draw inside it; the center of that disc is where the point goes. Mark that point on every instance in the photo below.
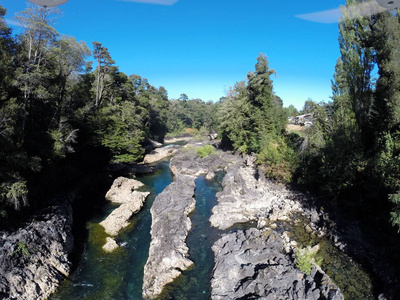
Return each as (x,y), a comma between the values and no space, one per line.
(104,68)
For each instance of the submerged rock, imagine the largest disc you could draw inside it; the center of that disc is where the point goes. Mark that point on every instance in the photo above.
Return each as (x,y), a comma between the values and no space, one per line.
(34,258)
(168,254)
(253,264)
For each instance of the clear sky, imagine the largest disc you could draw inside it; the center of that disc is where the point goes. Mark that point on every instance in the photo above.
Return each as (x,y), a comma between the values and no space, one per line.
(202,47)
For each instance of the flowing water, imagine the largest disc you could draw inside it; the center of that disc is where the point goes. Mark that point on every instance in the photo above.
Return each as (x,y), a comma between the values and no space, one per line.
(119,275)
(195,283)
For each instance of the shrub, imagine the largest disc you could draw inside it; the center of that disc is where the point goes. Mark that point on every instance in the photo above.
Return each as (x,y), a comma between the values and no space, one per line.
(305,259)
(205,150)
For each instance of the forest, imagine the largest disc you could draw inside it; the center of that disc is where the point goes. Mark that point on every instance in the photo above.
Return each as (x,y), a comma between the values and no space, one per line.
(65,109)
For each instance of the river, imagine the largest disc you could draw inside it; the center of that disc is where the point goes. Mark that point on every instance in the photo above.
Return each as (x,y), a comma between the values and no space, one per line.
(119,275)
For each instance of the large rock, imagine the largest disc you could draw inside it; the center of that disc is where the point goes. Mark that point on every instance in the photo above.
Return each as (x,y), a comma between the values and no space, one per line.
(168,254)
(123,191)
(34,258)
(160,153)
(253,264)
(190,163)
(245,198)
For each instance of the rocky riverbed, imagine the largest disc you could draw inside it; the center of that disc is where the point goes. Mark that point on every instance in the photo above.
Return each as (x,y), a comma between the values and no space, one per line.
(168,254)
(246,262)
(34,258)
(124,192)
(254,264)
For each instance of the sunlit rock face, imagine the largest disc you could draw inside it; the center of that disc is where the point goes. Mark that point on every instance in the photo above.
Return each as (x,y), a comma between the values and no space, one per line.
(34,258)
(124,192)
(245,198)
(160,153)
(253,264)
(168,254)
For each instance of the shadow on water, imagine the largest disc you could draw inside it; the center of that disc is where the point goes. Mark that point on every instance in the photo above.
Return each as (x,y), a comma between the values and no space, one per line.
(118,275)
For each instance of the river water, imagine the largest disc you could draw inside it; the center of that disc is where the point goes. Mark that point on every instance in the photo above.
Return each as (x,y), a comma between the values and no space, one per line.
(119,275)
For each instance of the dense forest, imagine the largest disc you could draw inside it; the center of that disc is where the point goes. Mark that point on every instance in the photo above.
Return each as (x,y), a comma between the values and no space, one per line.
(65,109)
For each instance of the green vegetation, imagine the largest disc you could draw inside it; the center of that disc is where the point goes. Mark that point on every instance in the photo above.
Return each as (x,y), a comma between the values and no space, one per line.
(63,116)
(205,150)
(252,120)
(306,259)
(351,154)
(23,248)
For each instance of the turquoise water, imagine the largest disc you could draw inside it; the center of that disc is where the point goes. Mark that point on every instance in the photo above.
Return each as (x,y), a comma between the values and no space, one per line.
(195,283)
(118,275)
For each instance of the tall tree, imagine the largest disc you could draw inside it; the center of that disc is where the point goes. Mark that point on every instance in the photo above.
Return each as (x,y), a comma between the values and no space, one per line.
(104,68)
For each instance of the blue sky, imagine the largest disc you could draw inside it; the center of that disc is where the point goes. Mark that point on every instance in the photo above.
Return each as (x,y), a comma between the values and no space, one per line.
(202,47)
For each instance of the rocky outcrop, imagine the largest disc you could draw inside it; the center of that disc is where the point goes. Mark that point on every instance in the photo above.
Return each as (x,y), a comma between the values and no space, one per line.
(123,191)
(160,153)
(34,258)
(168,254)
(253,264)
(245,198)
(189,163)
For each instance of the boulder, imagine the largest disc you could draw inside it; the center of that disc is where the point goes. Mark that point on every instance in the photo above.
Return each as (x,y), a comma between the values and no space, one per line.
(160,153)
(123,189)
(110,245)
(245,198)
(253,264)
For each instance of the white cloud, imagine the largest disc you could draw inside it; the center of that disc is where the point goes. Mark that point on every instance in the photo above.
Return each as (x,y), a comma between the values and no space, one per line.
(13,23)
(160,2)
(326,16)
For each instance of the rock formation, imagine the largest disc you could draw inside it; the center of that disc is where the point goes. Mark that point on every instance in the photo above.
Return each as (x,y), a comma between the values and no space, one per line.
(34,258)
(123,191)
(168,254)
(253,264)
(160,153)
(245,198)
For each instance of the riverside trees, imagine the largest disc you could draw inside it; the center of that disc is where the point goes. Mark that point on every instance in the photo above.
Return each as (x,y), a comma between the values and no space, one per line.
(252,120)
(356,150)
(56,112)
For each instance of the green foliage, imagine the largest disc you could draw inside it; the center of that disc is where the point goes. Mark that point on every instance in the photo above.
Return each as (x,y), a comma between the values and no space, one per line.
(121,132)
(205,150)
(195,113)
(24,249)
(278,158)
(395,215)
(306,259)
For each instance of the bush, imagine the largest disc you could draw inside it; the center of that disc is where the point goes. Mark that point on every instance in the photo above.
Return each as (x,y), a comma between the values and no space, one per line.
(205,150)
(305,259)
